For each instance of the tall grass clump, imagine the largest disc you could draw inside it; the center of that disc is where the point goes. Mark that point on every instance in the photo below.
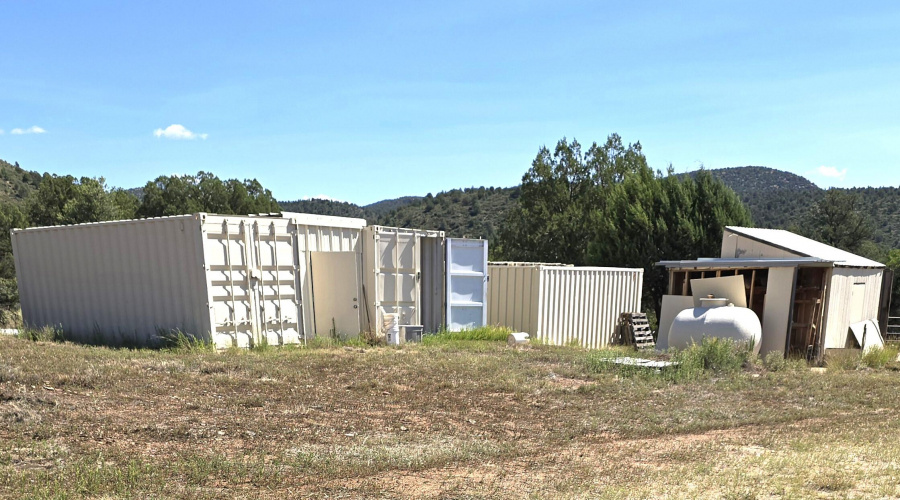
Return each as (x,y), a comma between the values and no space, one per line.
(880,357)
(177,340)
(853,359)
(712,356)
(484,333)
(43,334)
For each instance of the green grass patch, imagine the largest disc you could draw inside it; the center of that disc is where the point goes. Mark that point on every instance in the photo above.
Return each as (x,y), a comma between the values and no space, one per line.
(483,333)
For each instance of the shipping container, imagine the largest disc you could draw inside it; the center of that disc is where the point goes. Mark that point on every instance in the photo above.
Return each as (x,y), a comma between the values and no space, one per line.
(562,304)
(423,278)
(235,280)
(404,275)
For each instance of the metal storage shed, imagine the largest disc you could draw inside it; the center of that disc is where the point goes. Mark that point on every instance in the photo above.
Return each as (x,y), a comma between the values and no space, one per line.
(806,293)
(239,280)
(560,304)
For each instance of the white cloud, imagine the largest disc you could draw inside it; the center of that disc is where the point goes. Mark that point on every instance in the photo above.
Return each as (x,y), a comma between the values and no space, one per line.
(176,131)
(832,172)
(321,197)
(30,130)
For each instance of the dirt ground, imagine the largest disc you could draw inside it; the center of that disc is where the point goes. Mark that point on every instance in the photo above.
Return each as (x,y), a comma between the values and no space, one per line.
(464,420)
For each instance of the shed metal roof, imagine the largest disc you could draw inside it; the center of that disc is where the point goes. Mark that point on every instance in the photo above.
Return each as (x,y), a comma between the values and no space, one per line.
(744,263)
(804,246)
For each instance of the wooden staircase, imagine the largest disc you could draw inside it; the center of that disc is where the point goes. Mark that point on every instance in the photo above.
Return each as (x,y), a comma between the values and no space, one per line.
(635,330)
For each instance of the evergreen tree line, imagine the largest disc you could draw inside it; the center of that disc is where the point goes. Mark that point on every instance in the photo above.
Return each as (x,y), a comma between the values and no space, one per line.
(607,207)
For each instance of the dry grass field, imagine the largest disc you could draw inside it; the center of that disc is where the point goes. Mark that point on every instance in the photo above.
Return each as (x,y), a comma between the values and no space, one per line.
(449,419)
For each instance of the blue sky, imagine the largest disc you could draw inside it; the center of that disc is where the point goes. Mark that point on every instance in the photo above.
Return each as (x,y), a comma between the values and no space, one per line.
(362,101)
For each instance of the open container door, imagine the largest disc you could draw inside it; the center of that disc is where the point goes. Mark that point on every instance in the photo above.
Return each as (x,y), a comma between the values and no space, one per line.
(467,279)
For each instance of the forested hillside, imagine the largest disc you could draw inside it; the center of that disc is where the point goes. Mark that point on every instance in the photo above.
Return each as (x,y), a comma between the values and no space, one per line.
(776,199)
(779,199)
(470,212)
(16,183)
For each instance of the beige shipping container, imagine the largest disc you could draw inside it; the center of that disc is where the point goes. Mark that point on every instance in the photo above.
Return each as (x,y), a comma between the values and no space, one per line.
(236,280)
(403,275)
(562,304)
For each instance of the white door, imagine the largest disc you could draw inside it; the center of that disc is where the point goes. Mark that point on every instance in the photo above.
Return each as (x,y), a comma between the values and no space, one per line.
(467,277)
(335,293)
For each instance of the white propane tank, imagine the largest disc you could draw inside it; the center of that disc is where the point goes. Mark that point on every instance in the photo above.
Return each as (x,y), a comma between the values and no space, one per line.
(716,320)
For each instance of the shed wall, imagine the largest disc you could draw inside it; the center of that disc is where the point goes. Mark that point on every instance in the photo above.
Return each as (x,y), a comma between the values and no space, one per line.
(735,246)
(838,313)
(114,282)
(564,304)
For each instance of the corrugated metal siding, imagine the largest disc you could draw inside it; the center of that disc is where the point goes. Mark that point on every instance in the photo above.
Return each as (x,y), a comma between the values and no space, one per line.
(513,293)
(114,282)
(580,304)
(837,322)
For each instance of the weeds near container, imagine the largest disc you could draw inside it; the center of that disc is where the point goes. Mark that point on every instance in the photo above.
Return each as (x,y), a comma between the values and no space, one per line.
(45,334)
(177,340)
(712,356)
(370,338)
(483,333)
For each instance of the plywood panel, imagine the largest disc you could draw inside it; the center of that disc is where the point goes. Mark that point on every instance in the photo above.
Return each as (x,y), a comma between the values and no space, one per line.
(777,309)
(671,306)
(729,287)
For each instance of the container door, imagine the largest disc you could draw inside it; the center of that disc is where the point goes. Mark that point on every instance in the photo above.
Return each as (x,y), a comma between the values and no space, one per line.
(432,283)
(466,283)
(275,283)
(397,262)
(252,276)
(335,290)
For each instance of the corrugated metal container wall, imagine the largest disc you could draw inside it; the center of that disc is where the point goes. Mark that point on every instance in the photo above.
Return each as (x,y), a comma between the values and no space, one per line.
(853,296)
(560,305)
(114,282)
(317,233)
(240,280)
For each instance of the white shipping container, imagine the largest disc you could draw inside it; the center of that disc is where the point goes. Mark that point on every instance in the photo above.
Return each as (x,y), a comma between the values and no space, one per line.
(562,304)
(404,275)
(233,279)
